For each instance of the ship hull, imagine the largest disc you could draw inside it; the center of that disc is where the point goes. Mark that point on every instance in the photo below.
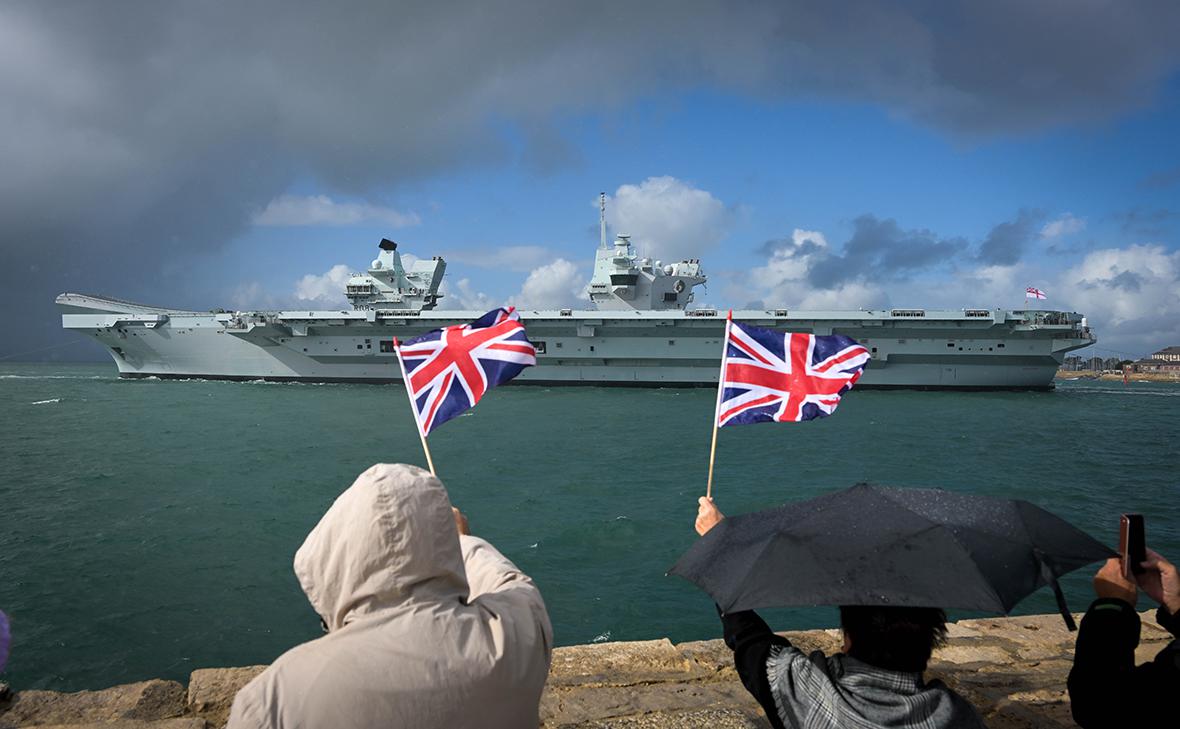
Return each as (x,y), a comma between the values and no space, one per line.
(988,349)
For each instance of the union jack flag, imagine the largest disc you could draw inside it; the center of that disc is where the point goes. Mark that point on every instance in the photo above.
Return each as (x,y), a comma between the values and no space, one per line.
(448,370)
(1034,293)
(773,376)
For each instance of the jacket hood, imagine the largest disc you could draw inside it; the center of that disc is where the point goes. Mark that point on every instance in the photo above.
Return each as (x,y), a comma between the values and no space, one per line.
(388,541)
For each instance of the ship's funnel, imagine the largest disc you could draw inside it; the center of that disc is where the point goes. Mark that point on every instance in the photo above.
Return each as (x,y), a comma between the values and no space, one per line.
(389,265)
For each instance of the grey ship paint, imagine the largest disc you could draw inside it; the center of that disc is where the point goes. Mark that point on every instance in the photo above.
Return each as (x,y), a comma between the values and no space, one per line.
(641,332)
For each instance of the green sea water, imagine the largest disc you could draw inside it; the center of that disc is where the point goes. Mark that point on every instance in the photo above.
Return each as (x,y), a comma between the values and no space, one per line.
(147,528)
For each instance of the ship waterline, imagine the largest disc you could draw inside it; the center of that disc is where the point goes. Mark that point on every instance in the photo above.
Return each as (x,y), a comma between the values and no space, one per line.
(911,348)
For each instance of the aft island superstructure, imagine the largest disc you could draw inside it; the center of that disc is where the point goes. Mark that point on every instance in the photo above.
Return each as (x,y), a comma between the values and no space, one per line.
(642,331)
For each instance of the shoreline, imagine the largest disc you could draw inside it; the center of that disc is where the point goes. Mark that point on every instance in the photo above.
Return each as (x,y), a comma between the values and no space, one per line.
(1131,376)
(1012,669)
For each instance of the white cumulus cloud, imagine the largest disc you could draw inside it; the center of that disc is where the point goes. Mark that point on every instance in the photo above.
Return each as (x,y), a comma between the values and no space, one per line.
(987,286)
(326,289)
(249,295)
(846,295)
(1131,296)
(788,280)
(784,281)
(553,286)
(292,210)
(1065,225)
(506,258)
(668,219)
(463,295)
(790,262)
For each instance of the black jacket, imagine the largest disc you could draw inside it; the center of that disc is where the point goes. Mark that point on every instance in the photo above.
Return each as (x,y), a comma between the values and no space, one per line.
(1106,688)
(750,639)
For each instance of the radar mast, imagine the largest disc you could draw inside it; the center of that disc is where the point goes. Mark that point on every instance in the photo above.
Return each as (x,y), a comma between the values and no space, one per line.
(602,220)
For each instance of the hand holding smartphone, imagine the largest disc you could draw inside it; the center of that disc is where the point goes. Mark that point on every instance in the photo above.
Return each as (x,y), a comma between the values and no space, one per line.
(1132,545)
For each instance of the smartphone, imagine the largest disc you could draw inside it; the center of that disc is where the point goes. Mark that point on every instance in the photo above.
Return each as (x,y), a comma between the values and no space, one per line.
(1132,545)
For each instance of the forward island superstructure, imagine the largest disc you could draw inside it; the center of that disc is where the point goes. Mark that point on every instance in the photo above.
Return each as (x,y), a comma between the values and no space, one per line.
(642,331)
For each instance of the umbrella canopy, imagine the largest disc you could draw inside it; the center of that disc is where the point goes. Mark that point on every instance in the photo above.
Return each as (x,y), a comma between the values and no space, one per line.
(875,545)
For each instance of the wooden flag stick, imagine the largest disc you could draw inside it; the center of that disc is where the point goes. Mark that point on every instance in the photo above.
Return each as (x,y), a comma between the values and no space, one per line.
(712,455)
(413,410)
(717,408)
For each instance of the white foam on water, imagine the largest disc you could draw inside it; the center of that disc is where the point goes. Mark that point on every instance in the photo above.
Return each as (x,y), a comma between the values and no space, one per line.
(46,402)
(277,383)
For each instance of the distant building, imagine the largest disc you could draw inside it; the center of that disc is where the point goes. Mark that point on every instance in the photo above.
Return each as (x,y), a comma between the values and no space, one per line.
(1165,360)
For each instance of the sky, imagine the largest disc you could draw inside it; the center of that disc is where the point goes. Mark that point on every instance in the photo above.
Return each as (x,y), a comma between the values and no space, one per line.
(812,155)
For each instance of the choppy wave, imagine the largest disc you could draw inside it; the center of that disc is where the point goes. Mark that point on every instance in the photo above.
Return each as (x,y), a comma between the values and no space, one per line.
(214,459)
(46,402)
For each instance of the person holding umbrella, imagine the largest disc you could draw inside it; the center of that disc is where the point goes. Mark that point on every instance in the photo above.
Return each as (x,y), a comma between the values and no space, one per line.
(893,559)
(876,681)
(1106,688)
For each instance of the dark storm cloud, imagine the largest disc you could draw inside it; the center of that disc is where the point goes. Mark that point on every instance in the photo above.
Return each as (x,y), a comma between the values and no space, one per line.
(1006,242)
(135,136)
(1150,222)
(881,249)
(1125,281)
(787,248)
(546,152)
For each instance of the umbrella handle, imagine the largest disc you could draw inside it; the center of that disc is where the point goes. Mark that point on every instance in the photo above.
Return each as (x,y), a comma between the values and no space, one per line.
(1047,574)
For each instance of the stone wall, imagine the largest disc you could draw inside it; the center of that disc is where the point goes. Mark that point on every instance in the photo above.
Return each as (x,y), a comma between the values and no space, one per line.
(1012,669)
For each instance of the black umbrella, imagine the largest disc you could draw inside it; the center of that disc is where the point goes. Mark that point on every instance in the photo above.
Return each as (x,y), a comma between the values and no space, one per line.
(875,545)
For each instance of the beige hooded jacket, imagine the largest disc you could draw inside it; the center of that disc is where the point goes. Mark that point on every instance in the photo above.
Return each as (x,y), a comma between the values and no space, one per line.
(426,628)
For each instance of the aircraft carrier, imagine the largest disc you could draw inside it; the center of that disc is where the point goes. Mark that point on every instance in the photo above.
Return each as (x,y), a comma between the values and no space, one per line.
(641,331)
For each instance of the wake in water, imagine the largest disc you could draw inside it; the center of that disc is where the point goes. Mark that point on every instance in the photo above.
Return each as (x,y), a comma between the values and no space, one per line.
(298,383)
(46,402)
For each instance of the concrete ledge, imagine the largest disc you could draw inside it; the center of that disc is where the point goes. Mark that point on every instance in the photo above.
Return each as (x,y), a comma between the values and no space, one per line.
(211,691)
(116,706)
(1012,669)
